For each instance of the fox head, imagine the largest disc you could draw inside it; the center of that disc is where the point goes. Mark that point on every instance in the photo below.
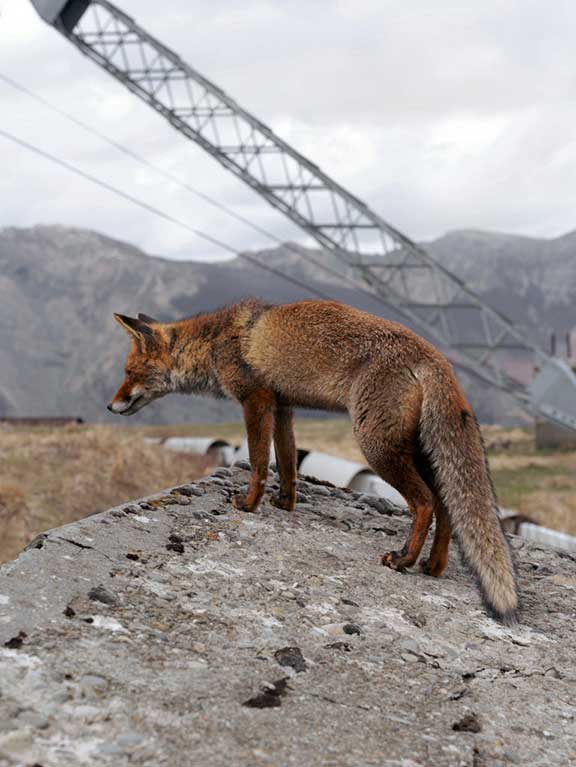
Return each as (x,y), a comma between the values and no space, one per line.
(148,367)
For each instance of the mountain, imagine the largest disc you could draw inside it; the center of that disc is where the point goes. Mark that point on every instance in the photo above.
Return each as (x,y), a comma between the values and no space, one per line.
(61,353)
(532,281)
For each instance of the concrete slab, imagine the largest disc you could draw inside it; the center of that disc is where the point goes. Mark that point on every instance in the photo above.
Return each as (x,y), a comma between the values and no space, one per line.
(178,631)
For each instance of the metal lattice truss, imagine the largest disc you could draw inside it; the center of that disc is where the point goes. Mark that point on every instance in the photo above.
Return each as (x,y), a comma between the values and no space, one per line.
(430,298)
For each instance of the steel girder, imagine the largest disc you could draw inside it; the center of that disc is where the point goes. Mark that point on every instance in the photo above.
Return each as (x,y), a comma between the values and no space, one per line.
(478,338)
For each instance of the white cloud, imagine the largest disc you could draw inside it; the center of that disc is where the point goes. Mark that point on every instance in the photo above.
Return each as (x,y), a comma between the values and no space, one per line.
(440,115)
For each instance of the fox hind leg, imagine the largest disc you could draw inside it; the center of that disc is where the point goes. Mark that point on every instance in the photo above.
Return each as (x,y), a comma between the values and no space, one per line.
(438,559)
(386,427)
(420,504)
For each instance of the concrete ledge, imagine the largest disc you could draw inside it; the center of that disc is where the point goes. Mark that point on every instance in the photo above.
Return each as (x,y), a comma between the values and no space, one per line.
(178,631)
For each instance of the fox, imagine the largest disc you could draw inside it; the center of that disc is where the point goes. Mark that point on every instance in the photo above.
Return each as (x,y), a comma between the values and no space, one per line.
(410,416)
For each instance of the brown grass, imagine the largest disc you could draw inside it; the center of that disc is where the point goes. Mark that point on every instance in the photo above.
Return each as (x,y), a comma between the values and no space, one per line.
(14,518)
(539,484)
(49,477)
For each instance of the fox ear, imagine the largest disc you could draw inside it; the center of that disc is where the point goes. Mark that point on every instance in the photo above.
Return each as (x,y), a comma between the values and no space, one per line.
(148,320)
(136,327)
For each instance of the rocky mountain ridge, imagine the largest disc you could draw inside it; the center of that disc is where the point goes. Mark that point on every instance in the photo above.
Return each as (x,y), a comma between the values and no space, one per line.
(62,354)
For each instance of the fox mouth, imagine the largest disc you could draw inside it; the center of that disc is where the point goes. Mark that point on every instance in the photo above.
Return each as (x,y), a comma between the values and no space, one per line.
(129,408)
(134,405)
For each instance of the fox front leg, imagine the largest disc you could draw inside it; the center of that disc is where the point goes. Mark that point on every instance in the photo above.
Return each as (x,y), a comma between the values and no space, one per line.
(259,418)
(285,449)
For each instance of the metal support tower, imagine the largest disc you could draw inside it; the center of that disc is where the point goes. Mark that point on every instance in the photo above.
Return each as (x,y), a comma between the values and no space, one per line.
(478,339)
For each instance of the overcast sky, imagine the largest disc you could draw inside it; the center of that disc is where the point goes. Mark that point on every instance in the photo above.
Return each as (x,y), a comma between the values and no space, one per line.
(441,115)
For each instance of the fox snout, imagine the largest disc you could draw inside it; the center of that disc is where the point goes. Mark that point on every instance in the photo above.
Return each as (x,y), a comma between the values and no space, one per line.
(123,407)
(147,366)
(128,400)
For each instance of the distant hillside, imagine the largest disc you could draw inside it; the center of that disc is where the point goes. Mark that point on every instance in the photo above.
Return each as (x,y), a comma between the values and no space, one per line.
(62,353)
(532,281)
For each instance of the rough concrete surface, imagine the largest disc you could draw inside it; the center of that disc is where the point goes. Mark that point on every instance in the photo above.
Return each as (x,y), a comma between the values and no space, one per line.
(179,631)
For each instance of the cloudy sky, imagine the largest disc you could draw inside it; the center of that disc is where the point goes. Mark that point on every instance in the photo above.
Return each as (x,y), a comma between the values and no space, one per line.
(441,115)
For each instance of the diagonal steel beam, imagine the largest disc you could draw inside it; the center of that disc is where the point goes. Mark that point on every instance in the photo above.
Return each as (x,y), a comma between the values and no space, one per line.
(426,294)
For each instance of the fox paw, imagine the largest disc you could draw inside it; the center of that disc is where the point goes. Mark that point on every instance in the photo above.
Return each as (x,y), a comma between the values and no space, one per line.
(435,569)
(282,502)
(240,502)
(393,560)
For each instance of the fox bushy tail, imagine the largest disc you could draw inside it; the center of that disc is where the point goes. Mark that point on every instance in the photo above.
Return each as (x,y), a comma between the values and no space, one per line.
(453,444)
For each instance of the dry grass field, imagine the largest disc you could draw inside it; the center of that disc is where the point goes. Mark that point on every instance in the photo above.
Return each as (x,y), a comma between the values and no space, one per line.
(51,476)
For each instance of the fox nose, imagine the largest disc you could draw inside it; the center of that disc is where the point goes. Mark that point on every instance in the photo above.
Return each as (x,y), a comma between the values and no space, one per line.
(109,407)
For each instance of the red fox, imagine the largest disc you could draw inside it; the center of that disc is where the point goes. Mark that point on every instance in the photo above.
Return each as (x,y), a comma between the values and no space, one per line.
(411,418)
